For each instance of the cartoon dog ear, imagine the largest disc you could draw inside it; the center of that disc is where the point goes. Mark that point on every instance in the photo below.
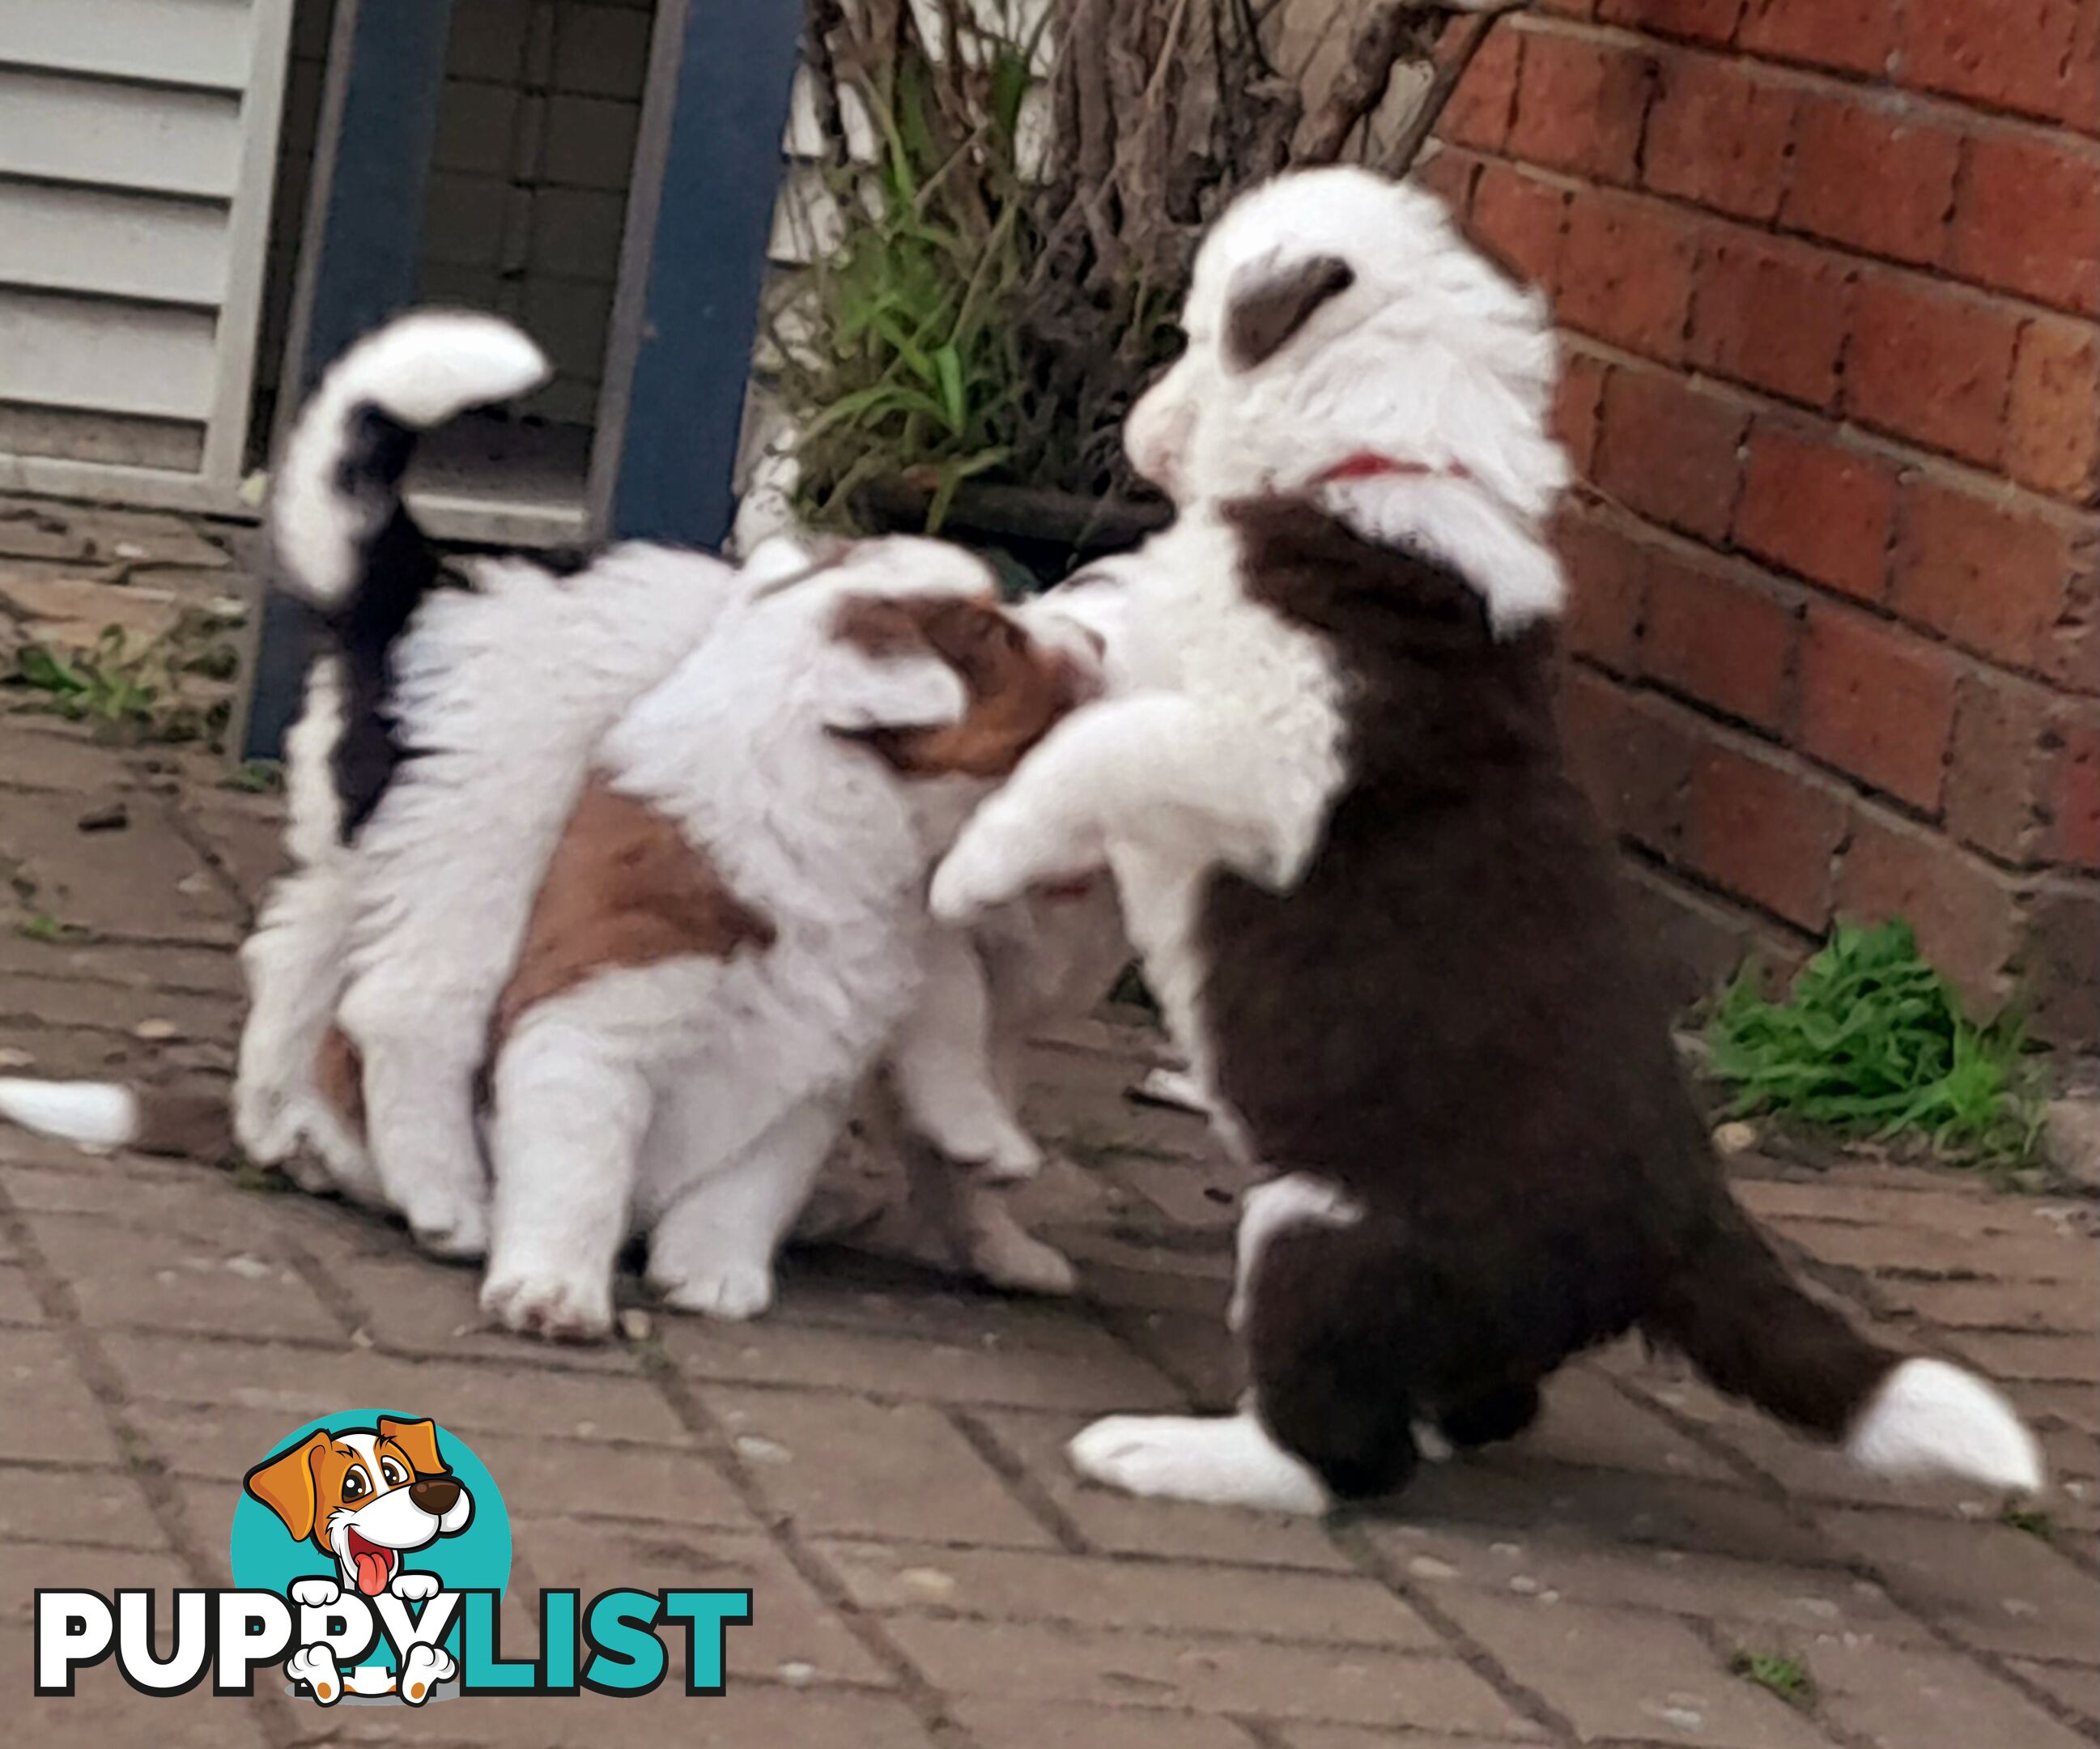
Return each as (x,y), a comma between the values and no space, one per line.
(881,671)
(286,1485)
(419,1439)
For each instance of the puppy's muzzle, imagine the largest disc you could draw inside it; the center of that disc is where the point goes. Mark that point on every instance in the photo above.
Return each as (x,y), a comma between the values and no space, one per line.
(434,1494)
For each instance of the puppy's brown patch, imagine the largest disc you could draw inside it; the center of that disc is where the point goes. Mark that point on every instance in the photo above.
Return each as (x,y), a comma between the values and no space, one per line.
(1262,319)
(623,890)
(339,1078)
(1018,690)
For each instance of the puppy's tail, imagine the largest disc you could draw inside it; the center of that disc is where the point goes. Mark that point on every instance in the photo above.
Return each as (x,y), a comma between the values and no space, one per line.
(100,1115)
(345,543)
(1746,1323)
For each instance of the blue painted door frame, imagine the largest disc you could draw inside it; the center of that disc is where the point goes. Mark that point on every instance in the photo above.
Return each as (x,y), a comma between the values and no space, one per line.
(707,175)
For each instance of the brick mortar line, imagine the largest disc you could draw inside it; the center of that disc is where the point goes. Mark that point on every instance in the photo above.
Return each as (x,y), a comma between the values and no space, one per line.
(1805,1516)
(272,1711)
(1709,1633)
(1026,1492)
(1911,102)
(713,1446)
(178,810)
(1999,490)
(1366,1558)
(89,975)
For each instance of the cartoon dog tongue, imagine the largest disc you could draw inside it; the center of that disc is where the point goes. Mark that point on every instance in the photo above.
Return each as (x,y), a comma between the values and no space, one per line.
(372,1567)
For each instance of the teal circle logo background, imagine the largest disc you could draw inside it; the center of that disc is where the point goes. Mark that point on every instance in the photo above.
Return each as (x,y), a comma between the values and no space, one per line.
(264,1557)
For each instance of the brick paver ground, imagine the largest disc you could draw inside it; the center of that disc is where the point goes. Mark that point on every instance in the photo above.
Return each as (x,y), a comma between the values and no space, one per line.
(880,1460)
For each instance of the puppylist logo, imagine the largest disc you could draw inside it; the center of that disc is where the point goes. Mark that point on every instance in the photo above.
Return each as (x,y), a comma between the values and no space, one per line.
(368,1553)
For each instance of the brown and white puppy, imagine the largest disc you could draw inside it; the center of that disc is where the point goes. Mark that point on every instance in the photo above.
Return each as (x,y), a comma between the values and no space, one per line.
(1377,913)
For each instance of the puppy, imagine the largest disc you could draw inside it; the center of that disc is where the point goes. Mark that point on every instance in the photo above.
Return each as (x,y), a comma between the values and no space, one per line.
(366,1497)
(1376,911)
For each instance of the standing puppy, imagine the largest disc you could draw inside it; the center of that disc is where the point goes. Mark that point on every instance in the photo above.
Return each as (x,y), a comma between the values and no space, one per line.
(1376,911)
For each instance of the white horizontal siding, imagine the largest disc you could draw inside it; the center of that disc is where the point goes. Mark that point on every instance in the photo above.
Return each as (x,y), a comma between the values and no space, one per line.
(206,42)
(99,357)
(119,246)
(123,136)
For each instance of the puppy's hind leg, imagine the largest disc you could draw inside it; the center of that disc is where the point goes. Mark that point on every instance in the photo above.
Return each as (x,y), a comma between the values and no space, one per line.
(294,966)
(570,1117)
(713,1249)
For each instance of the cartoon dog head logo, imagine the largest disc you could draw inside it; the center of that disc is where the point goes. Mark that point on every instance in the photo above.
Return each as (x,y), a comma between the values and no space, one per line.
(365,1496)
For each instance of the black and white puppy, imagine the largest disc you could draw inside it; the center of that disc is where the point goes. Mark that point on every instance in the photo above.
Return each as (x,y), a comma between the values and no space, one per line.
(1376,911)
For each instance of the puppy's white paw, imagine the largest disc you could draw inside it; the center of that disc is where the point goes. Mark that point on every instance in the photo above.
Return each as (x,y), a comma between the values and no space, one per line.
(266,1123)
(986,868)
(1219,1461)
(456,1229)
(731,1292)
(315,1666)
(314,1593)
(560,1309)
(423,1670)
(1021,1263)
(416,1587)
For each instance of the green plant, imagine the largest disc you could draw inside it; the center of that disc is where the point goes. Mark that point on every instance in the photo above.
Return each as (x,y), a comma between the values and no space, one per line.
(1873,1041)
(1786,1677)
(44,927)
(137,690)
(256,777)
(2032,1519)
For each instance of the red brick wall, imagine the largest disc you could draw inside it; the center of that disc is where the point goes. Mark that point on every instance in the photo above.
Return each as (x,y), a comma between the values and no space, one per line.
(1829,273)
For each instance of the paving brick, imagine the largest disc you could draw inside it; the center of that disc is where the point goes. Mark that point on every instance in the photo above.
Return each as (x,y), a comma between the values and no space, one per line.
(2029,220)
(1988,1584)
(1142,1596)
(1876,702)
(1856,36)
(841,1466)
(34,1566)
(304,1382)
(1931,364)
(122,1276)
(790,1624)
(1773,313)
(1818,508)
(1926,1700)
(1580,106)
(52,1415)
(76,1504)
(1554,1566)
(1120,1524)
(18,1303)
(2047,1359)
(410,1306)
(106,1713)
(1719,135)
(1617,1674)
(1625,273)
(1930,1202)
(2036,1255)
(597,1478)
(1100,1375)
(1363,1737)
(2076,1686)
(1352,1685)
(1872,178)
(143,882)
(2066,1307)
(1024,1725)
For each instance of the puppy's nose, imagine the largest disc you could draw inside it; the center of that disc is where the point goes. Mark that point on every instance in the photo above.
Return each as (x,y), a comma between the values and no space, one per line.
(435,1495)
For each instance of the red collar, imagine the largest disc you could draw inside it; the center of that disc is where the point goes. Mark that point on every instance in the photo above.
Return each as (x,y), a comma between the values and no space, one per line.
(1367,463)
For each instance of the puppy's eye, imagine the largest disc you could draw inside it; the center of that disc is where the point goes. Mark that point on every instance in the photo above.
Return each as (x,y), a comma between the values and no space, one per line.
(392,1473)
(355,1487)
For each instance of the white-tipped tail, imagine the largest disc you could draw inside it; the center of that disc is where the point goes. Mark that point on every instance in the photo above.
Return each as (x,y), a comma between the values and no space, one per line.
(94,1113)
(1932,1419)
(417,371)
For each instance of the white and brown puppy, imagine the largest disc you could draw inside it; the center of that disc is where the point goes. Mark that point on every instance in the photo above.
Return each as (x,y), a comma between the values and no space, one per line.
(1376,911)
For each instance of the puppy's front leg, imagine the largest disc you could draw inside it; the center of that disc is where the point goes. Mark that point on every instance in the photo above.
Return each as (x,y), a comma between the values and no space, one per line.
(1158,768)
(943,1064)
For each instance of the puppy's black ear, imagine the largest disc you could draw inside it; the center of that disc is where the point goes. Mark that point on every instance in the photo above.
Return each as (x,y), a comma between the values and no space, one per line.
(1262,318)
